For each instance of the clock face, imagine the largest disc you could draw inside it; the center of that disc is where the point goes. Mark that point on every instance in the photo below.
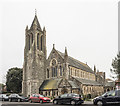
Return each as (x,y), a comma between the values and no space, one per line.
(53,62)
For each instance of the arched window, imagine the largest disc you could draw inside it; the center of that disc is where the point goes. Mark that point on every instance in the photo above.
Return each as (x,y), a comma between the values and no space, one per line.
(52,72)
(29,41)
(46,93)
(32,37)
(81,73)
(71,71)
(60,71)
(75,73)
(49,93)
(56,70)
(41,39)
(47,73)
(38,41)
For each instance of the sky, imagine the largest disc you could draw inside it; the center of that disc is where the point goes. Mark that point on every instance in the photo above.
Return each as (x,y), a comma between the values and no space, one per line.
(88,28)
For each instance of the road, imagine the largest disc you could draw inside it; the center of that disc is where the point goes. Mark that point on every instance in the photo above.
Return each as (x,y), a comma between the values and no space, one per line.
(87,103)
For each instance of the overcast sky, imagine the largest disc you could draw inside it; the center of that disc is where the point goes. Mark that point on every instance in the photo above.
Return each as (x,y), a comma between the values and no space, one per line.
(88,28)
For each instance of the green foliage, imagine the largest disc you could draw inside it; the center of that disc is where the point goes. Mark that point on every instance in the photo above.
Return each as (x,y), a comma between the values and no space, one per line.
(14,80)
(116,66)
(87,97)
(2,88)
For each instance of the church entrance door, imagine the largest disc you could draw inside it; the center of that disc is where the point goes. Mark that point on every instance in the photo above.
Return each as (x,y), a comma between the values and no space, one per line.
(64,90)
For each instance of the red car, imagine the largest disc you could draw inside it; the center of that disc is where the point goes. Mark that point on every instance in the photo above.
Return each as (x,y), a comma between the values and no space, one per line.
(39,98)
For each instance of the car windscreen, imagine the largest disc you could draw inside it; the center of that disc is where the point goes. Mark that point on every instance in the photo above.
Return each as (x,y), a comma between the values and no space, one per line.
(75,95)
(105,94)
(14,95)
(110,93)
(41,95)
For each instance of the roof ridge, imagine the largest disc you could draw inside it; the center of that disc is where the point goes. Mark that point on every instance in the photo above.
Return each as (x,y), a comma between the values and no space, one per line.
(74,58)
(76,61)
(79,61)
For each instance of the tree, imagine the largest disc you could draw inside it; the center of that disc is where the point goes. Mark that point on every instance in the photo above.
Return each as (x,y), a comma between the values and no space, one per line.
(2,88)
(116,66)
(14,80)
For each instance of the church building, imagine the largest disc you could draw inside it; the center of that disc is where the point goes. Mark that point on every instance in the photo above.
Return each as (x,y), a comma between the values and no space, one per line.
(57,74)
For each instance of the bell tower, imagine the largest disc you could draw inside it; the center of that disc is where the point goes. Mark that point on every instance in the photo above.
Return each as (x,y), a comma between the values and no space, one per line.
(34,58)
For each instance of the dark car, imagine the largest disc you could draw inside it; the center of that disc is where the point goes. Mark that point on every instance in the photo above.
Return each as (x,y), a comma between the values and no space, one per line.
(111,97)
(3,97)
(18,98)
(71,98)
(39,98)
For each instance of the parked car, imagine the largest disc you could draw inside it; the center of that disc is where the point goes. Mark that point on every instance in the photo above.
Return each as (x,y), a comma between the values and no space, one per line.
(111,97)
(3,97)
(39,98)
(71,98)
(18,98)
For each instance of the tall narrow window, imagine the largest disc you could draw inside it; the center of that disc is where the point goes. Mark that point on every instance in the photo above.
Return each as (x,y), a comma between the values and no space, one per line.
(46,93)
(75,72)
(47,73)
(29,41)
(32,37)
(81,74)
(38,41)
(52,72)
(41,39)
(71,71)
(56,70)
(60,71)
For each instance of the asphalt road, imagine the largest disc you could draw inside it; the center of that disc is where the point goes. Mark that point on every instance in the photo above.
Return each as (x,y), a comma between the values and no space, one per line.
(86,103)
(38,104)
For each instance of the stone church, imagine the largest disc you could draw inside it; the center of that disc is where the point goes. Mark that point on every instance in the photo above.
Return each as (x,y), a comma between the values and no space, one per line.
(57,74)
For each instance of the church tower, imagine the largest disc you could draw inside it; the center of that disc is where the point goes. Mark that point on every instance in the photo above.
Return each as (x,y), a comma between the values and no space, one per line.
(34,58)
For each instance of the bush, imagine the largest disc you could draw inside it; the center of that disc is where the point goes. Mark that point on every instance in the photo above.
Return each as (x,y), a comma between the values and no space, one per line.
(87,97)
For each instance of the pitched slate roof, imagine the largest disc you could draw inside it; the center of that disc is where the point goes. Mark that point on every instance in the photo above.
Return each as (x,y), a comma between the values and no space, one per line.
(73,84)
(50,84)
(76,63)
(53,84)
(110,84)
(87,82)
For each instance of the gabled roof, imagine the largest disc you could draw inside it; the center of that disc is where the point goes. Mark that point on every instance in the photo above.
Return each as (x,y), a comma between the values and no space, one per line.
(76,63)
(35,22)
(73,84)
(50,84)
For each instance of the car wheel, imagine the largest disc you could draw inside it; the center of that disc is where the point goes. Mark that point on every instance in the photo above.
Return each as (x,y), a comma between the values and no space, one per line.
(19,100)
(41,101)
(55,102)
(72,102)
(3,99)
(30,101)
(10,100)
(99,103)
